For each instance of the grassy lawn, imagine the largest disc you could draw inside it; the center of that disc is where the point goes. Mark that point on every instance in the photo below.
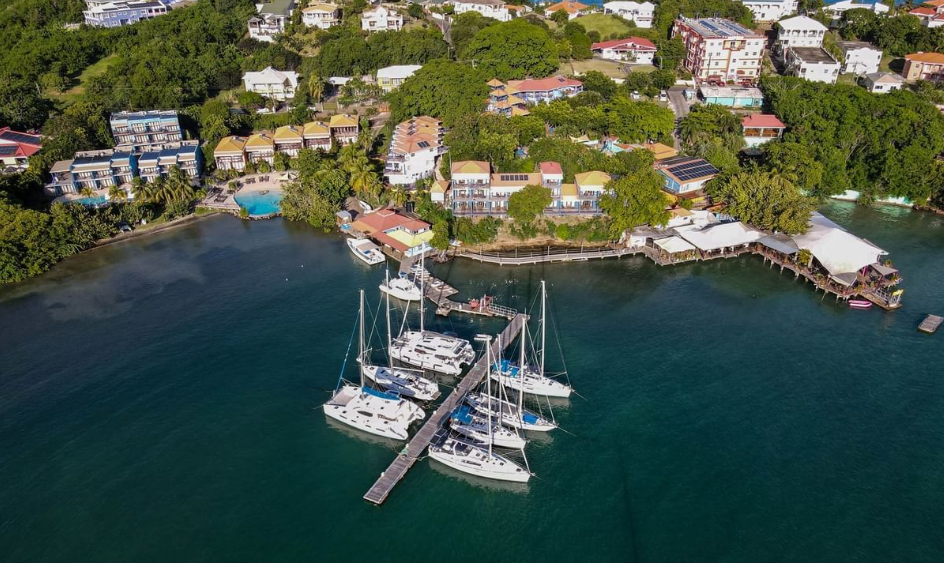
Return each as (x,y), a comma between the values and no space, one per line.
(604,24)
(891,64)
(96,69)
(612,69)
(848,78)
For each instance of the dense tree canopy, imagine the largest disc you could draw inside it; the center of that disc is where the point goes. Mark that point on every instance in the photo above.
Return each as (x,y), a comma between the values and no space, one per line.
(514,49)
(635,199)
(443,89)
(528,202)
(768,200)
(877,145)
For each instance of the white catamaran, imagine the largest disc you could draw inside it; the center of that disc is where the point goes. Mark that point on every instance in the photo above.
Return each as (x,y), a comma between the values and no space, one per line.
(531,379)
(370,410)
(404,382)
(470,457)
(431,350)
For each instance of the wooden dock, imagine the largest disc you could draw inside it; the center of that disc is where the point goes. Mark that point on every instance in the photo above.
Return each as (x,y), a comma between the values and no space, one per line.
(439,292)
(560,255)
(417,445)
(930,324)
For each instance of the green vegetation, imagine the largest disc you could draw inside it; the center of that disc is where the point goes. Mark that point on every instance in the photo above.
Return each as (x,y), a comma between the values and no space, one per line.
(636,198)
(668,11)
(513,49)
(607,25)
(896,36)
(631,121)
(765,199)
(529,202)
(443,89)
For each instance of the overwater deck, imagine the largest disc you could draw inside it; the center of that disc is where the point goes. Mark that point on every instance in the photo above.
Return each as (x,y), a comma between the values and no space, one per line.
(380,490)
(930,324)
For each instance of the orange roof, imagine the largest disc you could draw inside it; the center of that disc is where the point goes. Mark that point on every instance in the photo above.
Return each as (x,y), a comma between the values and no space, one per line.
(922,12)
(920,57)
(543,84)
(470,167)
(762,120)
(933,3)
(568,6)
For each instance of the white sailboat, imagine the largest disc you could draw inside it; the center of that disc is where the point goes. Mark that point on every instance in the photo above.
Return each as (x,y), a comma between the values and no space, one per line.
(469,457)
(509,413)
(404,382)
(366,251)
(466,421)
(403,288)
(431,350)
(370,410)
(531,379)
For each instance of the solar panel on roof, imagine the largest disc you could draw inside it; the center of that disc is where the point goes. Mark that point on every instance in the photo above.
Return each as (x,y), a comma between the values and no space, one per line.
(423,144)
(19,138)
(7,149)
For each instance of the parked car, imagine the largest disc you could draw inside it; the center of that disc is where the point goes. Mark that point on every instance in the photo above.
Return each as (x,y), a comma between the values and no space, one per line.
(663,96)
(689,94)
(635,94)
(124,228)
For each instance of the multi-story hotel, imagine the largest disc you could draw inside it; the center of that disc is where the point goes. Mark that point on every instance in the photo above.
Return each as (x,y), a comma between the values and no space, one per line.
(476,191)
(232,153)
(92,169)
(720,50)
(414,150)
(140,131)
(186,155)
(109,13)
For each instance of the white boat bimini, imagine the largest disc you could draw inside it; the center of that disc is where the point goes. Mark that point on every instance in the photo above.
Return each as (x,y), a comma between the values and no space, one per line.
(372,411)
(367,251)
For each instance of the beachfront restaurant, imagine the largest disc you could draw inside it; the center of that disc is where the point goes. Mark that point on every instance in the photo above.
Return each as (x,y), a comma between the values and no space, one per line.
(721,239)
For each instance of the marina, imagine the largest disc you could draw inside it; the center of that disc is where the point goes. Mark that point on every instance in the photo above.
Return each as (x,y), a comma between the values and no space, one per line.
(417,445)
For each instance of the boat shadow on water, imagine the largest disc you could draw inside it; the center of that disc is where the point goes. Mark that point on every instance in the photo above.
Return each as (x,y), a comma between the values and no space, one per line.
(479,482)
(367,438)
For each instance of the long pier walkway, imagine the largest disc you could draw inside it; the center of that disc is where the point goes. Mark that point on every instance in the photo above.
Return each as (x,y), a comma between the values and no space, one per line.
(417,445)
(559,255)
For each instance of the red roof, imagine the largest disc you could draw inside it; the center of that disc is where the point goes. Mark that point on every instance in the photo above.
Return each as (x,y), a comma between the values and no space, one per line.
(762,120)
(922,11)
(386,219)
(550,168)
(637,43)
(544,84)
(27,144)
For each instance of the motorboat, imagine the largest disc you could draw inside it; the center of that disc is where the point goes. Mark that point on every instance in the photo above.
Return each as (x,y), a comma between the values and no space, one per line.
(860,304)
(402,288)
(366,251)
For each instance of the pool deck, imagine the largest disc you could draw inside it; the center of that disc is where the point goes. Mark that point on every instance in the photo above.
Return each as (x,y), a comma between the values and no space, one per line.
(228,203)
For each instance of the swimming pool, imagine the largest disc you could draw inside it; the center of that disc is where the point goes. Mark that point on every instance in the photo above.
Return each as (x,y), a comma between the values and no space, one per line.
(92,200)
(259,204)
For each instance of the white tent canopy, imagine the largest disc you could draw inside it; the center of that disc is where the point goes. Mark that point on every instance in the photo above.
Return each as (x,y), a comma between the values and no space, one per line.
(837,250)
(723,235)
(673,245)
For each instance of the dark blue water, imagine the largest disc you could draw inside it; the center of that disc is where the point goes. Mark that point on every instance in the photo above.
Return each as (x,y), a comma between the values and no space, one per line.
(158,402)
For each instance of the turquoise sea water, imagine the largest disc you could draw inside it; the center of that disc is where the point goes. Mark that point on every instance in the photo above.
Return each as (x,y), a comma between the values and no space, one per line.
(258,203)
(158,402)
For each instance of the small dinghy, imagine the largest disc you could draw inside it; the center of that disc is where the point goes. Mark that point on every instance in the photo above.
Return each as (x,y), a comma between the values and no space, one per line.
(859,304)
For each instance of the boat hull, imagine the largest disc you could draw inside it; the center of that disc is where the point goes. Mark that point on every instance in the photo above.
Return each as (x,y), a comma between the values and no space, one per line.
(479,464)
(390,418)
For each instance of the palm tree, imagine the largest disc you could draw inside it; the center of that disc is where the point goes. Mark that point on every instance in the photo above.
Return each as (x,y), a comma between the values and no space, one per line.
(139,189)
(179,185)
(398,196)
(316,88)
(346,155)
(363,177)
(117,194)
(87,191)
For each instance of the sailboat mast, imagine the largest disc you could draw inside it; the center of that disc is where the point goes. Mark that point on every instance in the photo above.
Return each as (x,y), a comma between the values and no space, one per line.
(387,294)
(422,290)
(360,345)
(488,385)
(543,324)
(521,366)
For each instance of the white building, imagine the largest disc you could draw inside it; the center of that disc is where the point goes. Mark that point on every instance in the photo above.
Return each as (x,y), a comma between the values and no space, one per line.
(839,8)
(391,77)
(640,14)
(381,18)
(415,148)
(883,82)
(720,49)
(771,10)
(800,31)
(321,15)
(632,49)
(271,20)
(276,84)
(813,64)
(489,8)
(860,57)
(101,13)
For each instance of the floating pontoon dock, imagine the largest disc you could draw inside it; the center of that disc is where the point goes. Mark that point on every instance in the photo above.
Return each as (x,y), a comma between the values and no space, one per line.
(417,445)
(930,324)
